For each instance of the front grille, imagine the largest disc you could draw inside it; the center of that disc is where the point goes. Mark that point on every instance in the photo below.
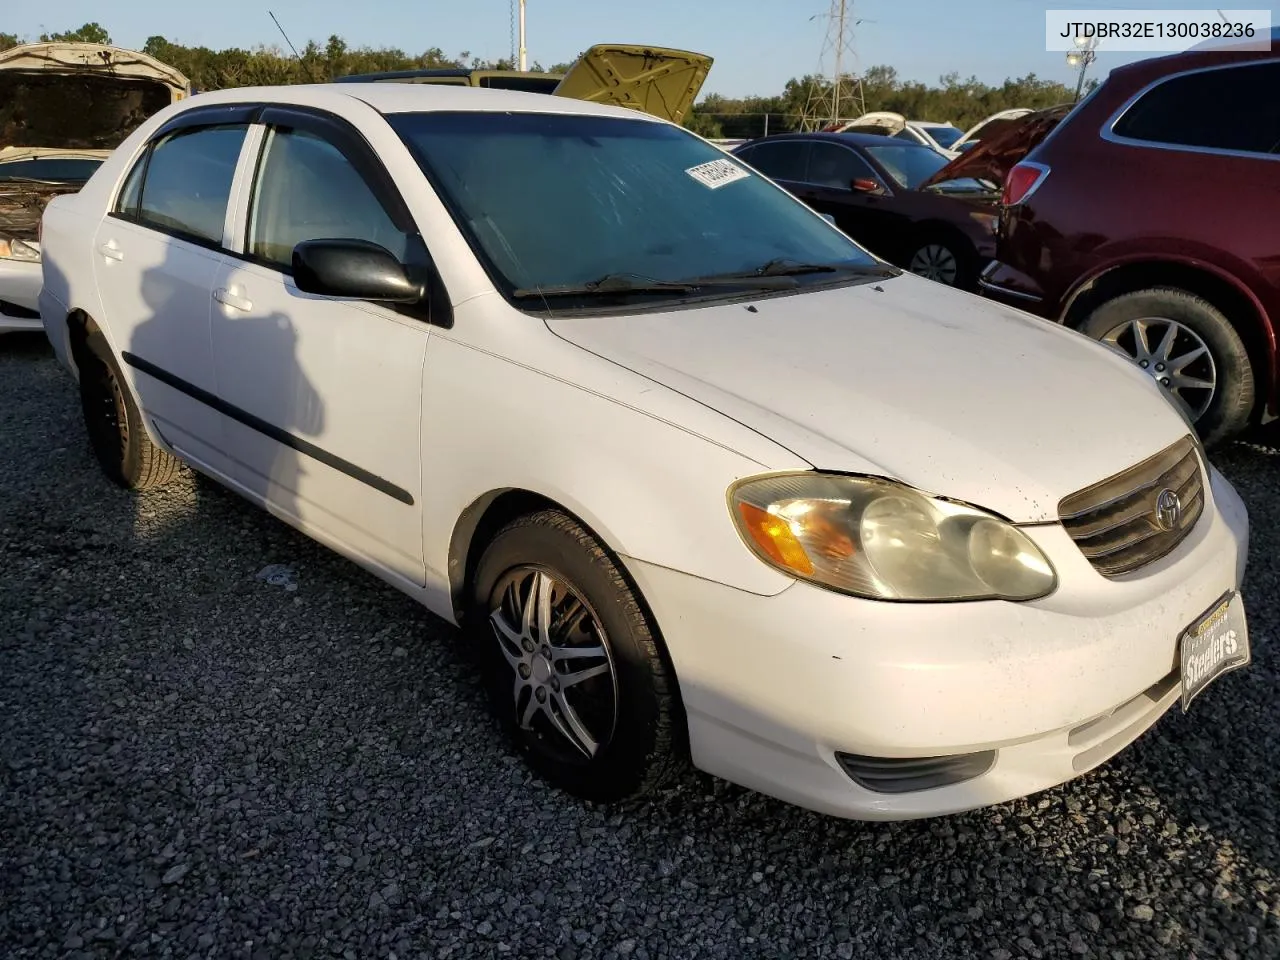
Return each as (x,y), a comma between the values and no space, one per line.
(1122,523)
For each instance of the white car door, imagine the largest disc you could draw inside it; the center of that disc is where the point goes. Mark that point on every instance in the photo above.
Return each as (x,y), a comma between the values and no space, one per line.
(156,256)
(321,398)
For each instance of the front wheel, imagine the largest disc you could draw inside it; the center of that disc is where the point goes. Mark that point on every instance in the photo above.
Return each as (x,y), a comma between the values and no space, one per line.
(576,672)
(1189,348)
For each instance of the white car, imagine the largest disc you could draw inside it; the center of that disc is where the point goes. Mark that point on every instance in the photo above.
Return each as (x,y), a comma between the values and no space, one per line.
(697,474)
(65,106)
(938,136)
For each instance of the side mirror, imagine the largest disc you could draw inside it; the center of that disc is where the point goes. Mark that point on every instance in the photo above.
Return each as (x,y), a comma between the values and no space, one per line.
(354,270)
(865,185)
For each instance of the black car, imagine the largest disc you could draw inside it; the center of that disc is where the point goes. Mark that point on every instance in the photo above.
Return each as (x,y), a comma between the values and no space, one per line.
(891,196)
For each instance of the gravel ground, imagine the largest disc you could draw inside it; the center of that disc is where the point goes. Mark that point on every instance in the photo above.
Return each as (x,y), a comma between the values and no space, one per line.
(195,762)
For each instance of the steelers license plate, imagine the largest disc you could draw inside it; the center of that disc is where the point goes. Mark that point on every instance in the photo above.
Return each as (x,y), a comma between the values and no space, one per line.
(1215,644)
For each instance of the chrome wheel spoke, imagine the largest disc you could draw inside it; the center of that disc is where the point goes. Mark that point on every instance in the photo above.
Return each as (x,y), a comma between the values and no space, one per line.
(1178,364)
(576,653)
(508,639)
(1165,347)
(540,592)
(530,708)
(578,676)
(1179,382)
(1141,344)
(571,727)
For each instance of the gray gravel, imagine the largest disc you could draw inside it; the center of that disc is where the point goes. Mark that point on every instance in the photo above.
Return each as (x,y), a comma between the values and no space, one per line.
(196,761)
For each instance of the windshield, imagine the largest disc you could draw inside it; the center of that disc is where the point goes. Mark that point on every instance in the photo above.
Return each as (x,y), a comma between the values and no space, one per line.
(554,200)
(51,169)
(944,136)
(911,165)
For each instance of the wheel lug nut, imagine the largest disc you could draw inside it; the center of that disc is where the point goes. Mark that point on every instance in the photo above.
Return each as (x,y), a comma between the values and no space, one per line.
(1165,381)
(1143,364)
(555,684)
(546,651)
(528,646)
(1160,366)
(524,671)
(542,695)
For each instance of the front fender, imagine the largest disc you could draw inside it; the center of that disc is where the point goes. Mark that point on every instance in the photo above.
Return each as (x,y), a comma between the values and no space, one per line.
(650,489)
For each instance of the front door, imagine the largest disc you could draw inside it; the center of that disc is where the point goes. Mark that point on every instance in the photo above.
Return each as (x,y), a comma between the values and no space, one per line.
(155,259)
(322,397)
(866,215)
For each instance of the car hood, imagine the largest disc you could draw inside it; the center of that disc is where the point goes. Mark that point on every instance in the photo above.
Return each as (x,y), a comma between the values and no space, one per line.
(80,96)
(656,80)
(907,379)
(1004,143)
(1011,114)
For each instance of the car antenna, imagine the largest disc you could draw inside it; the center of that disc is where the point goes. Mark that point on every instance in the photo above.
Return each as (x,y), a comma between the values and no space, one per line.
(285,35)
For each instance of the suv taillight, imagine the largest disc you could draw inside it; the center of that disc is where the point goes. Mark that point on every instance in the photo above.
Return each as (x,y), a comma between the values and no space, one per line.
(1022,181)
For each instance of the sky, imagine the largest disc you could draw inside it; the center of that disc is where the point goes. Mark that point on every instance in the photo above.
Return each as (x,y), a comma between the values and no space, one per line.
(757,44)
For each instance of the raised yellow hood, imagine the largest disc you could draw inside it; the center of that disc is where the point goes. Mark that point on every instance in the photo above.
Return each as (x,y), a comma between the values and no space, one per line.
(655,80)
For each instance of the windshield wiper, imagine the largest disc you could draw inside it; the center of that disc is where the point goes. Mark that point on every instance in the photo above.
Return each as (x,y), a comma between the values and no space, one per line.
(783,267)
(609,284)
(622,283)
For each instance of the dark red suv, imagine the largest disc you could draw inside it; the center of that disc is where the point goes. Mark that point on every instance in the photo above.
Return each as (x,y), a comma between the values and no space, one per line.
(1149,218)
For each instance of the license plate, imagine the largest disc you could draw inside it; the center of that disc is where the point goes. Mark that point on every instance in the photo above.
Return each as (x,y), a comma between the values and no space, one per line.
(1215,644)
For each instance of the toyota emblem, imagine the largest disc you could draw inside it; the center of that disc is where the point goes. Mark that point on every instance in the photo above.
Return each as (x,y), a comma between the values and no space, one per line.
(1168,509)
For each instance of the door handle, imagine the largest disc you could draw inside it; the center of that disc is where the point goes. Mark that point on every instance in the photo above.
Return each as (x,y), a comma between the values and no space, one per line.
(224,296)
(111,251)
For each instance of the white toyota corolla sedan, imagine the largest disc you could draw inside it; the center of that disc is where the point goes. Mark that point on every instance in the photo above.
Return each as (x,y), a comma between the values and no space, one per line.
(700,477)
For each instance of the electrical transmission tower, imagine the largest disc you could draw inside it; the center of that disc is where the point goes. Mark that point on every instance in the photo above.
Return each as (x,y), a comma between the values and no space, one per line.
(837,94)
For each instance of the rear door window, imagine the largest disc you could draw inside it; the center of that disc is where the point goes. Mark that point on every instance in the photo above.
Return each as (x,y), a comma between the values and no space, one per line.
(785,160)
(187,182)
(1230,108)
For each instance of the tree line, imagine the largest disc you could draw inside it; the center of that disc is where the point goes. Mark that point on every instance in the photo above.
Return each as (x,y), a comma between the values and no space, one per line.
(962,102)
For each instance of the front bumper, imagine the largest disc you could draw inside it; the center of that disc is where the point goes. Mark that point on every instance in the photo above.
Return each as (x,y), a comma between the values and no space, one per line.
(775,687)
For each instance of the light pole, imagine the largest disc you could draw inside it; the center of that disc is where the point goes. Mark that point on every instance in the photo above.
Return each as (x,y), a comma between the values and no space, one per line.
(524,63)
(1083,55)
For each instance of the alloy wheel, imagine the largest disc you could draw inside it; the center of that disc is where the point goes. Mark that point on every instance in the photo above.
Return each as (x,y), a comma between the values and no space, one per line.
(564,686)
(1173,355)
(933,261)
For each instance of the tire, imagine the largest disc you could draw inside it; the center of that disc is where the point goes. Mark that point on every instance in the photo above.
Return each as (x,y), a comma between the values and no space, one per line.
(1219,414)
(646,742)
(945,260)
(114,424)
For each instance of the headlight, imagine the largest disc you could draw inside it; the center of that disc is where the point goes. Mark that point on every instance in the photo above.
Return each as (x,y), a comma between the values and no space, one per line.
(18,250)
(881,540)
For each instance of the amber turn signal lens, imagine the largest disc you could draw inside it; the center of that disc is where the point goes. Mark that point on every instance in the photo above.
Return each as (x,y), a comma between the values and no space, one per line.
(773,535)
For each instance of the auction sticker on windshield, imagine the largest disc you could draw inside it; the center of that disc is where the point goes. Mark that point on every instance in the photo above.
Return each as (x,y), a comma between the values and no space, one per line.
(1215,644)
(717,173)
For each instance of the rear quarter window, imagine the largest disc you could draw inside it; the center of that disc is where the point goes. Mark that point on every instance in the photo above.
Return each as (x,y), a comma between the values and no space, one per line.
(1235,108)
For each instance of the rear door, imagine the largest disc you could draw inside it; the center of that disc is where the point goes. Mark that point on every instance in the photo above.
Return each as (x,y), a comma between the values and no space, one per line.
(156,256)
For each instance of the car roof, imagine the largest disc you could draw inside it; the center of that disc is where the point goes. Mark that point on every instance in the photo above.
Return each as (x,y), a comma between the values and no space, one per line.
(852,139)
(392,98)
